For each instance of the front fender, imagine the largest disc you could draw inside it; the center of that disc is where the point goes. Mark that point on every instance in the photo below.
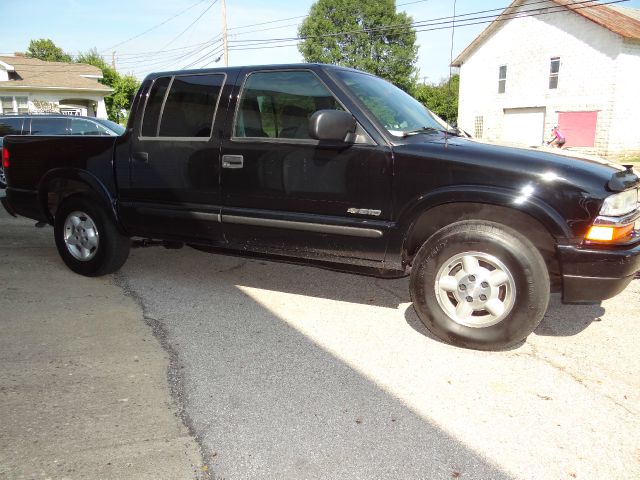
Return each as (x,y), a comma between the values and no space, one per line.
(521,201)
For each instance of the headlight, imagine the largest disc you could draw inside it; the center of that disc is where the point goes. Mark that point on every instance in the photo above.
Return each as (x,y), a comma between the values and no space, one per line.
(620,203)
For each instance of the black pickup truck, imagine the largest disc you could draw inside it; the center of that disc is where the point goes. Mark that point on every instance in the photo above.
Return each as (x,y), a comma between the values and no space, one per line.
(337,168)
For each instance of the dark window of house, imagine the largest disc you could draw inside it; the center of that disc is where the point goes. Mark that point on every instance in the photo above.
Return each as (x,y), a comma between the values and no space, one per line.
(279,104)
(555,70)
(502,79)
(10,126)
(49,126)
(154,106)
(190,106)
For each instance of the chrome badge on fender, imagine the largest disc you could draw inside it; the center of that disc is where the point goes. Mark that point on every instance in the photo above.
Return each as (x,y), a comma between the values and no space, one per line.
(364,211)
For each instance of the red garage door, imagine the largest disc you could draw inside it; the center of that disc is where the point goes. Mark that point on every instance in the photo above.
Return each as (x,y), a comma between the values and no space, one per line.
(579,128)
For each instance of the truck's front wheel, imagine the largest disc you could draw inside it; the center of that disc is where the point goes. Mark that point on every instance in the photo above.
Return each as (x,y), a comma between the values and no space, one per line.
(479,285)
(87,238)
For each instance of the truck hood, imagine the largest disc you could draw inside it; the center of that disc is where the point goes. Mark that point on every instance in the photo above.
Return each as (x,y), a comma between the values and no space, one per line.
(589,172)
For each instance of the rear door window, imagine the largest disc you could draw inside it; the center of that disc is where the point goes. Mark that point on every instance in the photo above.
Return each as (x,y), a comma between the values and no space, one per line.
(10,126)
(154,107)
(49,126)
(190,106)
(182,107)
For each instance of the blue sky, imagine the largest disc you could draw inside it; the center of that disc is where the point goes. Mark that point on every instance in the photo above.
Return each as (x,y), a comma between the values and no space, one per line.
(78,25)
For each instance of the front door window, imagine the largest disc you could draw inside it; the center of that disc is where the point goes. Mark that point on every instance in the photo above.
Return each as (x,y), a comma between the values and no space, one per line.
(279,104)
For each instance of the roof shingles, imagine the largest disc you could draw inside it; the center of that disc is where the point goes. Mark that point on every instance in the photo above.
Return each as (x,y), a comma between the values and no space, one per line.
(31,72)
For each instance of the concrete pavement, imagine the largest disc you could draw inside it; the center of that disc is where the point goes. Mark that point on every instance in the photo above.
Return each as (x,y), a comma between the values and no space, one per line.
(83,383)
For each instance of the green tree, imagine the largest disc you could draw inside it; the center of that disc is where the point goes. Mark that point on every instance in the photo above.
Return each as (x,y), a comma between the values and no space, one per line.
(124,90)
(45,49)
(367,35)
(92,57)
(441,99)
(124,87)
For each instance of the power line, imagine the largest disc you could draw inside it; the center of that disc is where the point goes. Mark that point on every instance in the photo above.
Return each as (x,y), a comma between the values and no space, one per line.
(177,55)
(156,52)
(154,27)
(266,23)
(304,16)
(211,54)
(434,24)
(396,26)
(435,21)
(158,64)
(191,24)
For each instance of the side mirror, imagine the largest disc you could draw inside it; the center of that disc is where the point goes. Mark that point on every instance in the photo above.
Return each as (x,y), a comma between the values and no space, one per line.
(333,125)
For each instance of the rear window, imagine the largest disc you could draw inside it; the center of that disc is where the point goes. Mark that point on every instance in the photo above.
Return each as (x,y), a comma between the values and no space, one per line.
(49,126)
(10,126)
(80,126)
(154,106)
(188,109)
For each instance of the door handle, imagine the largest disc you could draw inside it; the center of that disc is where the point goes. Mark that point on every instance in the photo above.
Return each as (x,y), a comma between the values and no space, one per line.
(232,161)
(141,157)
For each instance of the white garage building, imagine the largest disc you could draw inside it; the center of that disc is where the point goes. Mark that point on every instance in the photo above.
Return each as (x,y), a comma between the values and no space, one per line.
(575,64)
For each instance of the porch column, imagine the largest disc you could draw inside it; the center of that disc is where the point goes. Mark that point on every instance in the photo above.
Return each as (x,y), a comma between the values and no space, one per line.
(101,111)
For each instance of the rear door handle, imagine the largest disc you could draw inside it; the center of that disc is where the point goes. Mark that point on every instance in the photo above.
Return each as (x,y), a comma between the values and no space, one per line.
(141,157)
(232,161)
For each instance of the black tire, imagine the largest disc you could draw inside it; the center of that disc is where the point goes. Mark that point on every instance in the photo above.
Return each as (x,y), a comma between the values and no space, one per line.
(109,249)
(502,254)
(3,178)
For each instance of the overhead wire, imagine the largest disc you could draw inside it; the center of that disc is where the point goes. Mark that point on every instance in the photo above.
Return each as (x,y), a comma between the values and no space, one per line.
(129,60)
(154,27)
(433,24)
(191,24)
(175,55)
(398,26)
(208,59)
(304,16)
(437,23)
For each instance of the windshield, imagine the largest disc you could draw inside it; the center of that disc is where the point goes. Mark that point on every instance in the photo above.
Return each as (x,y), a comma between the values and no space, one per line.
(113,126)
(398,112)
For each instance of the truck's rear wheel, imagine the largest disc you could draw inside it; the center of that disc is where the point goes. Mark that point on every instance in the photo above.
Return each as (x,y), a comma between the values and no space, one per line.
(87,238)
(479,285)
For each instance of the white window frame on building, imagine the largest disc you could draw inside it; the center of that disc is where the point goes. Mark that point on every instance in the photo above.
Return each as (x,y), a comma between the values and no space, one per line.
(19,104)
(554,72)
(502,78)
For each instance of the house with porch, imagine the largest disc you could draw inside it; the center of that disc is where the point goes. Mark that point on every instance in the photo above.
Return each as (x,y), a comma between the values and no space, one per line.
(569,63)
(29,85)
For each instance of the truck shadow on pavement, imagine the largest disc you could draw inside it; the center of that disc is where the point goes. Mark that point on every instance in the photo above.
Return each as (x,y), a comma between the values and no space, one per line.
(560,320)
(267,400)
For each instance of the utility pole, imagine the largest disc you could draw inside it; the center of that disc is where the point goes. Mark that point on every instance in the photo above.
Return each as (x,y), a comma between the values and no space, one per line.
(225,45)
(113,59)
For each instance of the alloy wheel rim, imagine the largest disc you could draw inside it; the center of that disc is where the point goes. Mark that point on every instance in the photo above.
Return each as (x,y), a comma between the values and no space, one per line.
(81,236)
(475,289)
